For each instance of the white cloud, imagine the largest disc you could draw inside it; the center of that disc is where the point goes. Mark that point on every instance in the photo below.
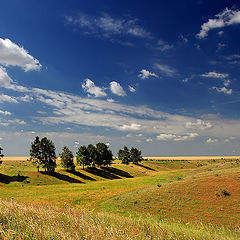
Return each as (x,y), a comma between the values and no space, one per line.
(223,90)
(215,75)
(139,135)
(131,89)
(13,55)
(149,140)
(183,38)
(166,136)
(163,46)
(189,136)
(26,98)
(131,127)
(7,82)
(6,98)
(221,46)
(90,87)
(92,112)
(117,89)
(110,100)
(185,80)
(107,26)
(11,121)
(211,140)
(5,112)
(199,124)
(144,74)
(165,69)
(226,83)
(232,57)
(220,33)
(169,136)
(225,18)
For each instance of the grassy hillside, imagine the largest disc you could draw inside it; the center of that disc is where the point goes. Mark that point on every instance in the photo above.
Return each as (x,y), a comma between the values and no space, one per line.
(159,199)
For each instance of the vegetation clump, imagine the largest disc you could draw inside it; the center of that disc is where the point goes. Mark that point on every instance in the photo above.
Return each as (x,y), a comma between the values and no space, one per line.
(67,159)
(42,154)
(127,156)
(91,155)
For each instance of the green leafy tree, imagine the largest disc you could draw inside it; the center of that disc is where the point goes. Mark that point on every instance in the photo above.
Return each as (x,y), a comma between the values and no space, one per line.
(135,155)
(1,155)
(92,151)
(104,155)
(82,156)
(67,159)
(124,155)
(43,154)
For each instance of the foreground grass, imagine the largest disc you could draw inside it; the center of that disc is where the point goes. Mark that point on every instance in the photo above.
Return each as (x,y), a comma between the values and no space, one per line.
(19,221)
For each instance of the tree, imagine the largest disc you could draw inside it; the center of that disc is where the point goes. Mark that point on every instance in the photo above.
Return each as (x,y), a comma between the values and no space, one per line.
(67,159)
(92,151)
(104,154)
(135,155)
(43,154)
(82,156)
(124,155)
(1,155)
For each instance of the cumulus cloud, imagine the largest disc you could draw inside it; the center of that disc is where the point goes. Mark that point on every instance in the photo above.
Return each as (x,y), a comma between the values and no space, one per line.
(169,136)
(166,69)
(131,89)
(225,18)
(223,90)
(90,87)
(144,74)
(199,124)
(107,26)
(211,140)
(215,75)
(117,89)
(13,55)
(163,46)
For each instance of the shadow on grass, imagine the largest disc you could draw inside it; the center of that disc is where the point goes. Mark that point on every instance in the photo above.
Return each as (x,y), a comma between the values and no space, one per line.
(102,173)
(8,179)
(148,168)
(81,175)
(62,177)
(117,172)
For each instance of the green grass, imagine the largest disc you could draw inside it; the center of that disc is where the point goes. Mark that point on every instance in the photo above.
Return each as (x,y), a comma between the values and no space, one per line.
(124,201)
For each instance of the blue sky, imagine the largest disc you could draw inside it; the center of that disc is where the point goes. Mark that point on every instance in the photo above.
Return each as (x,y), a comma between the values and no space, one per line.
(159,75)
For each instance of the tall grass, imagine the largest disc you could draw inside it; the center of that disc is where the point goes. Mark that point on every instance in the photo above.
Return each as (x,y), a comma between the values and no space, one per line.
(18,221)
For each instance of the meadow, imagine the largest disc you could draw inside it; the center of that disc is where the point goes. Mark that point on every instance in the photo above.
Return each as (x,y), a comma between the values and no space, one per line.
(157,199)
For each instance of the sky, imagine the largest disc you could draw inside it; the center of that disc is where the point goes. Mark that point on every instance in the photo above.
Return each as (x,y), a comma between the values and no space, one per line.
(162,76)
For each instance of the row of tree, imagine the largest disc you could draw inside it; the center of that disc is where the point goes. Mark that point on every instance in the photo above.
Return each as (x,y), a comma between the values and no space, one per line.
(1,155)
(42,154)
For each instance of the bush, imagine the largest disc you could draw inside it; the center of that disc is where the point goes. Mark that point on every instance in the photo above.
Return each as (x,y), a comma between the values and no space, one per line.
(225,193)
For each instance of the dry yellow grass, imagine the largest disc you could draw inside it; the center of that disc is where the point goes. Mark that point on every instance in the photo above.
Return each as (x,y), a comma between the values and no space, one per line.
(189,158)
(15,158)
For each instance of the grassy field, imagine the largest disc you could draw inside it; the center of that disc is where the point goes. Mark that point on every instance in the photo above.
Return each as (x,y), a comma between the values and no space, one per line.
(158,199)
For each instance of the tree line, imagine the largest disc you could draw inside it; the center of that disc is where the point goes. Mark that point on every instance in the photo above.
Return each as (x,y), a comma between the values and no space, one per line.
(42,154)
